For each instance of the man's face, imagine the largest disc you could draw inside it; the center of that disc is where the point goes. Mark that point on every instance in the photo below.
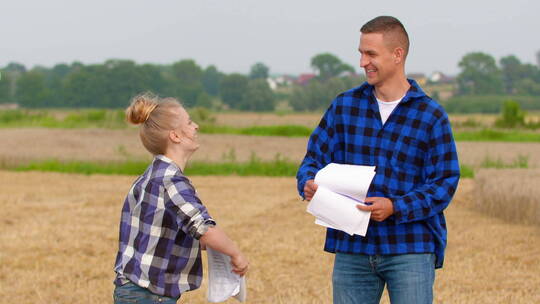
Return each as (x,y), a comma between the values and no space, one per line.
(376,58)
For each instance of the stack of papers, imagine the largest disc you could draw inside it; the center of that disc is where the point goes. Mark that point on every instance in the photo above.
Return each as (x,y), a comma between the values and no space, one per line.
(222,282)
(340,188)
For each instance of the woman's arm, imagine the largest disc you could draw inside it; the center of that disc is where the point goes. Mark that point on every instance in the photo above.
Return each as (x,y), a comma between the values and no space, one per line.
(216,239)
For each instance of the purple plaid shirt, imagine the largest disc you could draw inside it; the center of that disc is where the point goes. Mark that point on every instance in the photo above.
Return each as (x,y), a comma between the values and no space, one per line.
(161,223)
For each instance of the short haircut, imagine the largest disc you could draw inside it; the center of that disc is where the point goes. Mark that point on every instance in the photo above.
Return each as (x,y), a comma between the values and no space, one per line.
(391,28)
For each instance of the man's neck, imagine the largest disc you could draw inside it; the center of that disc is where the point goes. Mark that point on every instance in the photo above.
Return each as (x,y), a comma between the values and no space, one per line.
(392,89)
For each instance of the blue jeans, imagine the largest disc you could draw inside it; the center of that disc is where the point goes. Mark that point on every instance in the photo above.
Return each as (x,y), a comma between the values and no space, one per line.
(360,278)
(131,293)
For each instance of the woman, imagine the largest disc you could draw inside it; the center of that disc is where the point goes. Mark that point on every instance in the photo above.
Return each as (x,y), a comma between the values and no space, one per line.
(163,223)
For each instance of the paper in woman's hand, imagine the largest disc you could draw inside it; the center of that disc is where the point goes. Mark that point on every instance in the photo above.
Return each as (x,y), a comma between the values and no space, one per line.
(222,282)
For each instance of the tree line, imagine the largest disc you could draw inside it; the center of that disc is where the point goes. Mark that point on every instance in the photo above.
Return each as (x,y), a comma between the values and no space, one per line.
(112,84)
(481,75)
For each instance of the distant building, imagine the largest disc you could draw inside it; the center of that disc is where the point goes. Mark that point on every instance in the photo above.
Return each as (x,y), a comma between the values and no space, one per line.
(279,81)
(538,59)
(304,79)
(440,78)
(419,77)
(8,106)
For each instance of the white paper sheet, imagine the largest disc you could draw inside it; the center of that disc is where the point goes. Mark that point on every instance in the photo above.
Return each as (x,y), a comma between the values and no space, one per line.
(222,282)
(350,180)
(340,189)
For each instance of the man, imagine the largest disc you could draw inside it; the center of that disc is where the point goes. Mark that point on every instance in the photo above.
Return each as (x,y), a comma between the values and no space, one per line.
(390,123)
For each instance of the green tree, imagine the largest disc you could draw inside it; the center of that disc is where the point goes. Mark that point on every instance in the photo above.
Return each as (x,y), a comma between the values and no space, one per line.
(317,95)
(54,81)
(188,80)
(4,87)
(232,89)
(15,67)
(32,91)
(258,96)
(123,80)
(512,116)
(328,65)
(511,72)
(12,72)
(204,101)
(522,79)
(479,75)
(153,78)
(259,70)
(527,86)
(530,71)
(210,80)
(86,86)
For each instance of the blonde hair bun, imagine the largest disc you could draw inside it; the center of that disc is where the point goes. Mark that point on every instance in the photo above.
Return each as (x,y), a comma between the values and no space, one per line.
(141,107)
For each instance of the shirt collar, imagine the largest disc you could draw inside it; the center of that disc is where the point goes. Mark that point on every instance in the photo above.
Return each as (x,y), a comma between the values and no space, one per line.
(167,160)
(415,91)
(164,158)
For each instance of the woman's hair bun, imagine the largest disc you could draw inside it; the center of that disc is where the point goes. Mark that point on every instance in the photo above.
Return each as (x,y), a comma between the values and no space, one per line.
(141,107)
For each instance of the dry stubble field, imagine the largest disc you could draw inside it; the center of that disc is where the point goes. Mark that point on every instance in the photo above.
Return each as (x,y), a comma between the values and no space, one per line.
(59,231)
(59,235)
(21,145)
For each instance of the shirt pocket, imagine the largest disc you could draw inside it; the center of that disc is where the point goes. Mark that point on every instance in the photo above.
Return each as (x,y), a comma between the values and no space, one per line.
(407,153)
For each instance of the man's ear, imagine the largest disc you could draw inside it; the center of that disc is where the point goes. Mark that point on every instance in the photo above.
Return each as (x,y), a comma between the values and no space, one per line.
(399,54)
(174,137)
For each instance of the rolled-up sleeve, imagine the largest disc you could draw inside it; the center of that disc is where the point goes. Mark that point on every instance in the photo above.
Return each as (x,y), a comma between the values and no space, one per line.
(193,216)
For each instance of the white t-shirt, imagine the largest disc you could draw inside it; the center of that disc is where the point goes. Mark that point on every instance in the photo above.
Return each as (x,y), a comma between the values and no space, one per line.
(386,108)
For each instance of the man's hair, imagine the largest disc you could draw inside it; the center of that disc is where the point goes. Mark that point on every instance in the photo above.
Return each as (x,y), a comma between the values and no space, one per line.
(391,28)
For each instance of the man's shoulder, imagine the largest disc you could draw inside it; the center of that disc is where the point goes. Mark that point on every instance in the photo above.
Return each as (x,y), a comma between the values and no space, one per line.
(359,92)
(430,106)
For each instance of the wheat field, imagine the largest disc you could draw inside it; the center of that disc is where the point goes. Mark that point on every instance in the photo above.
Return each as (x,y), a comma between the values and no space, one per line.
(59,239)
(510,194)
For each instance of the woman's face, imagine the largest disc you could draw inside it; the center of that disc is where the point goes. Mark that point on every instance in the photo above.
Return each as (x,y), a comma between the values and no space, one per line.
(187,131)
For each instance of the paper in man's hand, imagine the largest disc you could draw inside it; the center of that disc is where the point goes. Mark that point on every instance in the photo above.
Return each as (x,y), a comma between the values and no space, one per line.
(340,189)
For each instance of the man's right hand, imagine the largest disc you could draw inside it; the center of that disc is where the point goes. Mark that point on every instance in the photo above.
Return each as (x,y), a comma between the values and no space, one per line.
(309,189)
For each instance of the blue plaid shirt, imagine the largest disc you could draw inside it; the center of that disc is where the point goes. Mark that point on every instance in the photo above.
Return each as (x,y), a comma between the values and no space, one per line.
(161,223)
(416,167)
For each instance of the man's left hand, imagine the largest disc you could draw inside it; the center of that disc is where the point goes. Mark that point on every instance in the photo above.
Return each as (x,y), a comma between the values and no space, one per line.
(380,208)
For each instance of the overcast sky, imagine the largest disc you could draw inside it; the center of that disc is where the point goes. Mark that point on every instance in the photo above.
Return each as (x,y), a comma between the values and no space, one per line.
(282,34)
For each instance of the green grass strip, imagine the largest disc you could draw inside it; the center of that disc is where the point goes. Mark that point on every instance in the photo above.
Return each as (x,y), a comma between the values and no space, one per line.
(83,167)
(107,119)
(496,135)
(466,171)
(251,168)
(281,130)
(286,130)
